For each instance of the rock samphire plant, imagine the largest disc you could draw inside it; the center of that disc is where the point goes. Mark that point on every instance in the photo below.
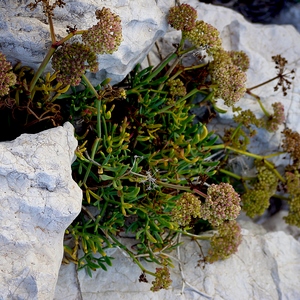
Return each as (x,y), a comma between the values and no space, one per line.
(148,167)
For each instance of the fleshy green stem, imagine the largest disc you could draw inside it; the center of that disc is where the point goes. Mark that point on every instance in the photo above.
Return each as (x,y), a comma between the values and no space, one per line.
(42,67)
(256,156)
(98,104)
(121,246)
(259,102)
(52,32)
(94,149)
(181,188)
(195,236)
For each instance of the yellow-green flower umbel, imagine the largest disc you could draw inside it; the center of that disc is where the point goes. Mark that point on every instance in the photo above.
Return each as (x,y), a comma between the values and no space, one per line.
(182,17)
(222,203)
(7,77)
(71,61)
(106,35)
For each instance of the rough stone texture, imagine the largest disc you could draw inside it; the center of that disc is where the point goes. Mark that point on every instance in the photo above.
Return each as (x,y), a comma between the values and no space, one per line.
(25,34)
(276,223)
(38,200)
(266,267)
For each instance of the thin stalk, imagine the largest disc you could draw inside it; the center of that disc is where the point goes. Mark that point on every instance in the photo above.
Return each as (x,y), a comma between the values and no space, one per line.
(259,102)
(94,149)
(236,130)
(121,246)
(256,156)
(97,102)
(42,67)
(263,83)
(231,174)
(197,237)
(52,32)
(181,188)
(159,68)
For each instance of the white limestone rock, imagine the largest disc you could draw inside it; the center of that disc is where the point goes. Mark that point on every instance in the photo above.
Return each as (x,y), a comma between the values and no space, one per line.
(277,223)
(266,267)
(25,34)
(38,201)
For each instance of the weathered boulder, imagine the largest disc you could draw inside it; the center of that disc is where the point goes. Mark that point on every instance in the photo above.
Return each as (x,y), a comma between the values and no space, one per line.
(25,34)
(265,267)
(38,201)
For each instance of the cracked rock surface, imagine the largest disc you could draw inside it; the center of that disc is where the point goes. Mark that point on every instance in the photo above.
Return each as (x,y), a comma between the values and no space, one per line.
(265,267)
(38,200)
(25,34)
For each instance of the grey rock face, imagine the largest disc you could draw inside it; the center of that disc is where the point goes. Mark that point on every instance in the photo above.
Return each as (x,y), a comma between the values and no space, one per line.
(38,201)
(265,267)
(25,34)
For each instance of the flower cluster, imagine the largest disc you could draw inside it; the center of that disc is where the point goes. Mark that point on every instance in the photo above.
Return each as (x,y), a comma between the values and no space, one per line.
(240,59)
(293,188)
(293,217)
(162,279)
(247,118)
(106,35)
(293,183)
(225,242)
(222,203)
(284,80)
(204,36)
(230,79)
(266,178)
(256,200)
(237,137)
(182,17)
(71,61)
(7,77)
(187,206)
(277,118)
(177,88)
(291,143)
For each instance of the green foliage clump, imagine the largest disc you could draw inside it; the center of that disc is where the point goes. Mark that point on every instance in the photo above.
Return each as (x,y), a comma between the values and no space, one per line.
(147,167)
